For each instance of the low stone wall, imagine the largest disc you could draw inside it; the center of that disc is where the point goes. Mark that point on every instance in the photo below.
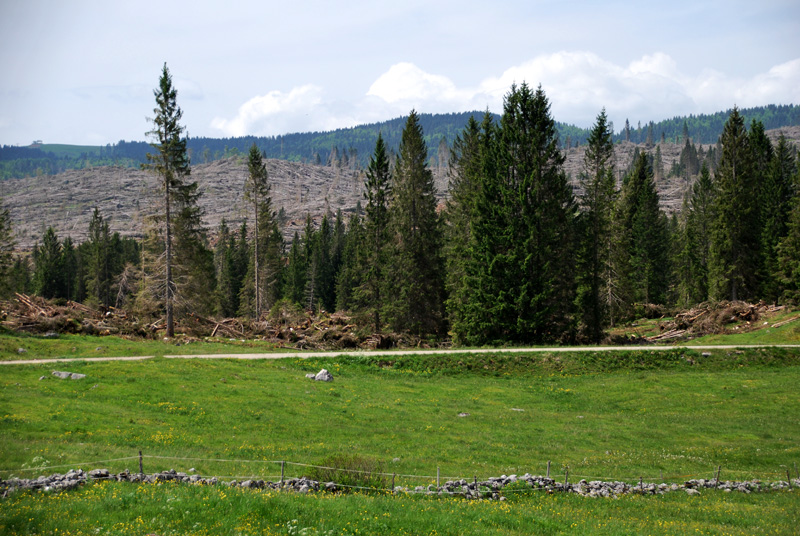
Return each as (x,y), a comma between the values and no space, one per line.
(493,488)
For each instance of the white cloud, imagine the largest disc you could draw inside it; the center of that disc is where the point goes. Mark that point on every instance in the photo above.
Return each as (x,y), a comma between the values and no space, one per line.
(407,83)
(272,113)
(578,84)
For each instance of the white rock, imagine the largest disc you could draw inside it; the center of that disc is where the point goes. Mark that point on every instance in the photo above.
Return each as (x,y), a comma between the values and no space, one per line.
(324,376)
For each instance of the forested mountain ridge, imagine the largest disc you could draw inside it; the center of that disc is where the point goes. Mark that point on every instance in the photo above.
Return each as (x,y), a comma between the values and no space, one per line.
(351,147)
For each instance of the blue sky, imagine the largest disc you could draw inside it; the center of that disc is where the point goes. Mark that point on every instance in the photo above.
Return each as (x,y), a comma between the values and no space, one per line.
(83,72)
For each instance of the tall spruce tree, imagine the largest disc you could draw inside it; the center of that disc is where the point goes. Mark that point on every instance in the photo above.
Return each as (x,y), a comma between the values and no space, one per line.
(464,176)
(788,251)
(99,273)
(519,282)
(643,238)
(417,271)
(262,285)
(256,190)
(7,263)
(188,267)
(698,216)
(543,222)
(483,303)
(735,247)
(594,261)
(70,268)
(777,191)
(353,254)
(48,276)
(369,294)
(295,280)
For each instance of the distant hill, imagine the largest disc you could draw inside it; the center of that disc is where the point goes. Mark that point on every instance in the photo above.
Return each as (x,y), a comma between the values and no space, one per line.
(352,147)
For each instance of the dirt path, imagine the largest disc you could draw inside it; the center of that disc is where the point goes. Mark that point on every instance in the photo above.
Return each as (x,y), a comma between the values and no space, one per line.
(306,355)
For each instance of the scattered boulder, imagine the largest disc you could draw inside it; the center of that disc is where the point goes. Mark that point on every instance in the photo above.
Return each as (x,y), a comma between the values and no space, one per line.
(67,375)
(324,376)
(311,376)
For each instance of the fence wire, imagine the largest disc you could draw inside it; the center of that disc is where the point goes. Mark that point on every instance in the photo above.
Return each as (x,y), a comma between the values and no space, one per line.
(430,478)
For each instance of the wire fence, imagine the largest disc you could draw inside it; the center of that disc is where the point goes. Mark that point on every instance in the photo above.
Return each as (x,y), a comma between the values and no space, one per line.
(438,479)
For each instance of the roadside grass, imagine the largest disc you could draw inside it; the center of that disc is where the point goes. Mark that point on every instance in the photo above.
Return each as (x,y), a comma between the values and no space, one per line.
(78,346)
(123,509)
(617,415)
(765,334)
(666,415)
(742,332)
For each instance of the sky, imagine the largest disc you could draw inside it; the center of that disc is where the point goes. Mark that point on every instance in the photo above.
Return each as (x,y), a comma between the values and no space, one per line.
(83,72)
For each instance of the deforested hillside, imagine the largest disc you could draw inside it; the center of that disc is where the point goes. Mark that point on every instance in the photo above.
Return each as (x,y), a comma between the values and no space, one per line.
(125,195)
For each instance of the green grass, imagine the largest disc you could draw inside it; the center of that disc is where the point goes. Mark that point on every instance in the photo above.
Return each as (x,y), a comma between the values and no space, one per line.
(765,334)
(72,151)
(81,346)
(638,413)
(123,509)
(613,416)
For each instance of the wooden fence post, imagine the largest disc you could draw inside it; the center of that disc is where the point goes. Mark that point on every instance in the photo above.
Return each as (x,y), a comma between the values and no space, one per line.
(141,469)
(566,477)
(548,468)
(282,465)
(393,475)
(437,478)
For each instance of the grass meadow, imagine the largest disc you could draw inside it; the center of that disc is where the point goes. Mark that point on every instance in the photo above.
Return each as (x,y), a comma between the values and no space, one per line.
(668,415)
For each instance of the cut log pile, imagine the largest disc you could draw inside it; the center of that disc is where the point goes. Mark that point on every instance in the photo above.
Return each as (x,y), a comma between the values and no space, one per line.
(716,318)
(288,326)
(33,314)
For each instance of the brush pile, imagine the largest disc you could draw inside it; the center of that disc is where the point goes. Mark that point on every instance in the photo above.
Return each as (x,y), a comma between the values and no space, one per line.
(286,325)
(714,318)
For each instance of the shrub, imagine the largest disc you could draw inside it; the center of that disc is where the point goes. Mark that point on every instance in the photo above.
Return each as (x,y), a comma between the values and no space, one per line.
(351,470)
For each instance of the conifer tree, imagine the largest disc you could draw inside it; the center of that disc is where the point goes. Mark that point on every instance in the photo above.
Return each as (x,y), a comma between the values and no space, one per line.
(777,191)
(352,267)
(483,304)
(7,263)
(70,268)
(188,267)
(464,176)
(322,268)
(734,259)
(295,281)
(544,220)
(417,277)
(594,268)
(644,238)
(229,273)
(256,190)
(788,251)
(261,287)
(369,294)
(99,273)
(698,222)
(20,277)
(519,272)
(48,280)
